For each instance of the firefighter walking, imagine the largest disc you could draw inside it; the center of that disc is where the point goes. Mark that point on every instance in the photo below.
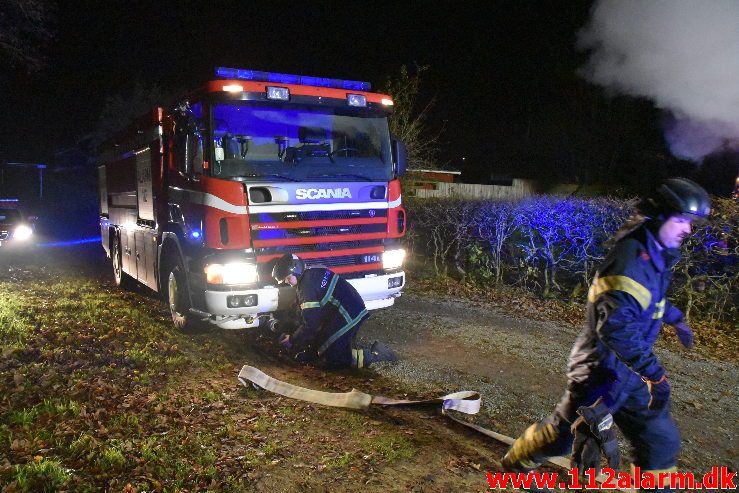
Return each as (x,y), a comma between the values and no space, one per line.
(612,358)
(331,313)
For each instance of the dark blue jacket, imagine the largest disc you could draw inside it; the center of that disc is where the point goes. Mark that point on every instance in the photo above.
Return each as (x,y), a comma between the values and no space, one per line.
(330,308)
(626,307)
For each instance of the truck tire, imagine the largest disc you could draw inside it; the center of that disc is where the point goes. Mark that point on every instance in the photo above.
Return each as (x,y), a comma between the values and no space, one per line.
(178,298)
(122,280)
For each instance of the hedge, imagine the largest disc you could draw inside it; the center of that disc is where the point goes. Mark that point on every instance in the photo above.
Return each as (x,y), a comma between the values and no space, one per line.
(552,245)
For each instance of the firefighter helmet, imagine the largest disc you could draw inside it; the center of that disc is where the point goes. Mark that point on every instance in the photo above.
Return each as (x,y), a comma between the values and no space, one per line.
(287,265)
(676,196)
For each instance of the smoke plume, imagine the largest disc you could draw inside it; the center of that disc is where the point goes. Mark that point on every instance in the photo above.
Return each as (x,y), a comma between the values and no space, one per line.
(681,54)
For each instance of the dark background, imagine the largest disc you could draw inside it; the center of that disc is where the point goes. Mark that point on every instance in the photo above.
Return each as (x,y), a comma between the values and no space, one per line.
(503,75)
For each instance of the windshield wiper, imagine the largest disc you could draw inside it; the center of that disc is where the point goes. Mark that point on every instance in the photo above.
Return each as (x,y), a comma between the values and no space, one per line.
(345,175)
(270,175)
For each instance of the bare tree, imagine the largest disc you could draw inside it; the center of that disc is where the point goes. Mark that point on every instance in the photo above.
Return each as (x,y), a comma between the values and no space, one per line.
(24,33)
(410,124)
(122,109)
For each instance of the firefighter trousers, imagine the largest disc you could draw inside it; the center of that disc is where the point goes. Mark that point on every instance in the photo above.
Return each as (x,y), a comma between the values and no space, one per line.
(652,434)
(342,353)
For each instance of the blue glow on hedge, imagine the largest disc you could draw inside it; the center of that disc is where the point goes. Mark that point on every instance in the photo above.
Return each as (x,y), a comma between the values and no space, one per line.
(255,75)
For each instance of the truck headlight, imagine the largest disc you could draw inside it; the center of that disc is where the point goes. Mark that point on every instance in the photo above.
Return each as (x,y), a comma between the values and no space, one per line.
(392,259)
(231,273)
(22,232)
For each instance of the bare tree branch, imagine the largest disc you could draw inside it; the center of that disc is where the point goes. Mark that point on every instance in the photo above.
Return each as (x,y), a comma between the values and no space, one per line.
(409,124)
(25,33)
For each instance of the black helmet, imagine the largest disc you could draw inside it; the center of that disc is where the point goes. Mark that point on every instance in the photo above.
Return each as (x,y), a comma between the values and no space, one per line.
(286,265)
(676,196)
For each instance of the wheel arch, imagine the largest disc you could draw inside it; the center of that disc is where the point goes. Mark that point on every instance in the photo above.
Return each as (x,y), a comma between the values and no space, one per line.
(169,250)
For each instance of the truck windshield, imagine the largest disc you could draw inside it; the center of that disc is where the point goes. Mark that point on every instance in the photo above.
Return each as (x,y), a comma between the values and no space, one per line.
(299,143)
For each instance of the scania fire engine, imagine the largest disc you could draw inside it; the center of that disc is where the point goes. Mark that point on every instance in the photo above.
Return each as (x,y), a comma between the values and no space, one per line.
(199,201)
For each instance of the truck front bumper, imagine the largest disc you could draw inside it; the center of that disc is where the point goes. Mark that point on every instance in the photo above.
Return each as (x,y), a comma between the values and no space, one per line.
(375,290)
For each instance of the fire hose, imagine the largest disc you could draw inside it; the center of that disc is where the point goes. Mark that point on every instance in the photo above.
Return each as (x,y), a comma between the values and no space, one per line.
(467,402)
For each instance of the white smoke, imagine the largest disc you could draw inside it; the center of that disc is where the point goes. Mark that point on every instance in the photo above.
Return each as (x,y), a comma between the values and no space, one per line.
(682,54)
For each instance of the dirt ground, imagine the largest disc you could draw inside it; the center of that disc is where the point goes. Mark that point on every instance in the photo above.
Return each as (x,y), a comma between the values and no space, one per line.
(519,365)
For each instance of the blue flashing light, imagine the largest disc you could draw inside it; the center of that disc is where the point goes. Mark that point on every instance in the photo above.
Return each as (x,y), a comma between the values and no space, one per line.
(283,78)
(9,200)
(95,239)
(316,81)
(255,75)
(196,233)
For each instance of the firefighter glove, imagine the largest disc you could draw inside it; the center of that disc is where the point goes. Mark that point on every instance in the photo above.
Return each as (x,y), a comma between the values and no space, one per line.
(594,433)
(684,334)
(304,356)
(659,392)
(285,341)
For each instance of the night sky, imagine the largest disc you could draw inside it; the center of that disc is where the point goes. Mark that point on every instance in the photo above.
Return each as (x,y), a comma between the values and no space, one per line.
(478,53)
(497,68)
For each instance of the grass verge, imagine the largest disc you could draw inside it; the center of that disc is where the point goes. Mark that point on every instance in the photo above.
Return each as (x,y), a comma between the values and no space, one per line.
(99,392)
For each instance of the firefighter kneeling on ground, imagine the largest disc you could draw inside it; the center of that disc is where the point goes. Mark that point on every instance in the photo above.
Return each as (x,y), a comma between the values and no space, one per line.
(331,313)
(612,360)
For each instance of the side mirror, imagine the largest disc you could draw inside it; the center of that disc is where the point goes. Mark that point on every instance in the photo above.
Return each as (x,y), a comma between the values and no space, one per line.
(399,157)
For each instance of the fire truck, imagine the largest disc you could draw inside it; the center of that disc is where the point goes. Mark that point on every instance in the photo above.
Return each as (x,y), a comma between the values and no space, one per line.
(197,202)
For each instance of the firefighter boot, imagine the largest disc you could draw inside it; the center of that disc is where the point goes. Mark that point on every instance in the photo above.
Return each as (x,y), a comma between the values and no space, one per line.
(381,352)
(377,352)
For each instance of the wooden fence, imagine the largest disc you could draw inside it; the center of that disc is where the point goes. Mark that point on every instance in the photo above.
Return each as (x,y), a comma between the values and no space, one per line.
(519,189)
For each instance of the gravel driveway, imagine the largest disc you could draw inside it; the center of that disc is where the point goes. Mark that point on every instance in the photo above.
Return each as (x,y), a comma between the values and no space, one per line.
(518,365)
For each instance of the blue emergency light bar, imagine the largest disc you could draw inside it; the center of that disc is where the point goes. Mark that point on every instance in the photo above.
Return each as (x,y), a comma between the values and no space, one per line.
(241,74)
(9,200)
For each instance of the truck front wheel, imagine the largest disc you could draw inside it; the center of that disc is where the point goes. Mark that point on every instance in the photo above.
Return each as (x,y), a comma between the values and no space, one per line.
(178,297)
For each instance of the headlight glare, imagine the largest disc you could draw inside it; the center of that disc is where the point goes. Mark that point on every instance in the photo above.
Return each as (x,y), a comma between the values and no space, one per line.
(231,273)
(22,232)
(392,259)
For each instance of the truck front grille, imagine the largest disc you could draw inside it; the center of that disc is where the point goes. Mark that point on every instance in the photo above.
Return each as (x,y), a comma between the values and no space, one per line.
(284,233)
(264,217)
(349,242)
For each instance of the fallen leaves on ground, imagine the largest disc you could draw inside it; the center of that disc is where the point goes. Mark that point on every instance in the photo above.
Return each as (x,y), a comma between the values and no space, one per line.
(716,340)
(99,392)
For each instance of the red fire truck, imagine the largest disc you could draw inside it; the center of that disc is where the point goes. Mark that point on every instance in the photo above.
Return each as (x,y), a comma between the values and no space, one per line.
(198,202)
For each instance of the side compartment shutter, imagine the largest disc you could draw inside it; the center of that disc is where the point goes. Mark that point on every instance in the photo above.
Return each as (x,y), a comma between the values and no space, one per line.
(103,190)
(144,185)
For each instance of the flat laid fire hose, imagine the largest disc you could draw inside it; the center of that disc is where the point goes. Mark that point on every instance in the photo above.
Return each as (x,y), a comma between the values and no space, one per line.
(466,401)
